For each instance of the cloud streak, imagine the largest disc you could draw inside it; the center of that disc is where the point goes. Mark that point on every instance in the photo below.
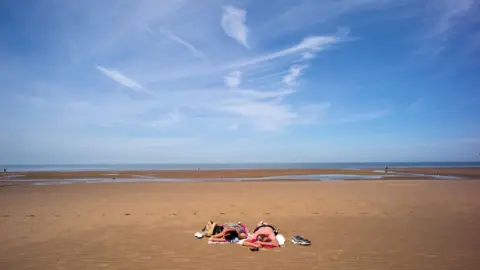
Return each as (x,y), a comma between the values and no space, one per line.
(309,44)
(121,79)
(295,71)
(195,52)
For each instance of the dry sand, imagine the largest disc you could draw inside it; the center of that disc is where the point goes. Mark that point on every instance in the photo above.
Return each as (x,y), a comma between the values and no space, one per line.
(353,225)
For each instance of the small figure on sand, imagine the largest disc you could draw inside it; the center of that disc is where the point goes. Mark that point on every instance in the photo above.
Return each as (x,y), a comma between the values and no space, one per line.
(386,169)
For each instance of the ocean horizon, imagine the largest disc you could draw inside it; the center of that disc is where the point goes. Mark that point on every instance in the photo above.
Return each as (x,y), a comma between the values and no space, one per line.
(227,166)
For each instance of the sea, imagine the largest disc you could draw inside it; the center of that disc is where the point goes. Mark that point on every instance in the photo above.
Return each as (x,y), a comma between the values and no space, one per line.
(228,166)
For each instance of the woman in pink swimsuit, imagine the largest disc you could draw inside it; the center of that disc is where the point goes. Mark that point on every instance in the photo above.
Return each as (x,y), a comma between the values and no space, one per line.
(264,236)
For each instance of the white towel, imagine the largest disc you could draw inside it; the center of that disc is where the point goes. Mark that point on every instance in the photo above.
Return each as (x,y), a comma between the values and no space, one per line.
(234,241)
(280,240)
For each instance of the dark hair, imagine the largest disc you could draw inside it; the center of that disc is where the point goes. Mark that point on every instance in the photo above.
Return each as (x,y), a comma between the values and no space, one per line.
(262,237)
(229,236)
(217,229)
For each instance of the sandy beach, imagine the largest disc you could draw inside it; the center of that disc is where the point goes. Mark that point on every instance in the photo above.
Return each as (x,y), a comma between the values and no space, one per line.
(467,173)
(409,224)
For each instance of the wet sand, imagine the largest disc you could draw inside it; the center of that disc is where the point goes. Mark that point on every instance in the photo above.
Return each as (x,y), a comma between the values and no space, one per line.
(467,172)
(185,174)
(352,225)
(233,173)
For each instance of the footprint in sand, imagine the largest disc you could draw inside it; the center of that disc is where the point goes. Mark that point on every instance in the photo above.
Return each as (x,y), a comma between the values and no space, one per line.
(57,216)
(127,214)
(6,216)
(315,213)
(266,213)
(222,213)
(172,214)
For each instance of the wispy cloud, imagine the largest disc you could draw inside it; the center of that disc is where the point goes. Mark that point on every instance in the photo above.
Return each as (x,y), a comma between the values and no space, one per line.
(297,15)
(308,55)
(445,19)
(234,24)
(295,71)
(233,79)
(451,12)
(164,120)
(195,52)
(265,110)
(121,78)
(268,116)
(309,44)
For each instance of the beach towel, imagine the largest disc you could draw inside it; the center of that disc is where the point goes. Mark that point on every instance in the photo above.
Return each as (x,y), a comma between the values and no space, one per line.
(234,241)
(280,240)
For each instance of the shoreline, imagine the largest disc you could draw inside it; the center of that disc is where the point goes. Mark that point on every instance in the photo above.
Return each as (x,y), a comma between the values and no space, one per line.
(218,173)
(38,178)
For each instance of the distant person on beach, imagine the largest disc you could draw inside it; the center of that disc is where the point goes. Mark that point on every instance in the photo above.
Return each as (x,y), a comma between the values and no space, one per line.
(386,169)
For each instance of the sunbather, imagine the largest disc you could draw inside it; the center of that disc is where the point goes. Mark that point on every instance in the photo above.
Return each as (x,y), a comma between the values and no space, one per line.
(223,232)
(264,235)
(210,229)
(230,232)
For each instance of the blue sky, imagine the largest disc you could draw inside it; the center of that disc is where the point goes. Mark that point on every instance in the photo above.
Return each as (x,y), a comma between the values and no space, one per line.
(239,81)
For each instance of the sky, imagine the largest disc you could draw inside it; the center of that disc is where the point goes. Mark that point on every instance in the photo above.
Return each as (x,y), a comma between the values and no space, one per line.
(182,81)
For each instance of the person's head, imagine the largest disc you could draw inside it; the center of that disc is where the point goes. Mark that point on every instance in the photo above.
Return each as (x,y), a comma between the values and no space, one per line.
(230,235)
(263,238)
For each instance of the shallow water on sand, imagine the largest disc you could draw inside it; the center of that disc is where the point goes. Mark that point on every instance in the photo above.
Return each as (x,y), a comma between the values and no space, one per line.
(435,176)
(312,177)
(212,166)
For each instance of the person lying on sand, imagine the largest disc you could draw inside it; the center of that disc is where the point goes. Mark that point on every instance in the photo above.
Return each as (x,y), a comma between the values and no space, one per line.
(219,231)
(210,229)
(230,232)
(264,235)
